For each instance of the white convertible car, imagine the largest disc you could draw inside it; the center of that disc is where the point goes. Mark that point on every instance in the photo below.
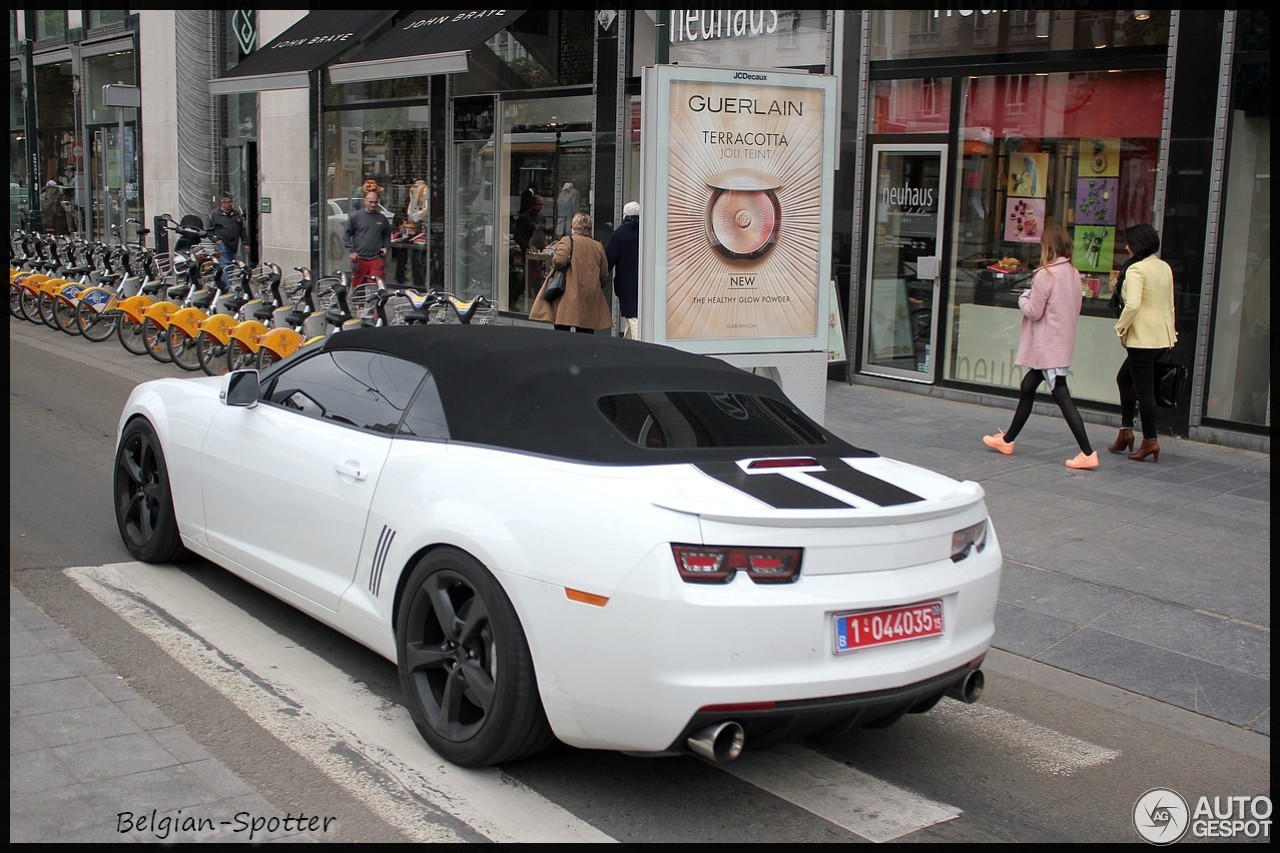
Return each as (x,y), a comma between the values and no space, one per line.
(613,543)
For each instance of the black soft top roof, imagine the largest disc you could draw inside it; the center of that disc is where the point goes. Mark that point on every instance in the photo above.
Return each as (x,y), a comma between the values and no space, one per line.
(538,390)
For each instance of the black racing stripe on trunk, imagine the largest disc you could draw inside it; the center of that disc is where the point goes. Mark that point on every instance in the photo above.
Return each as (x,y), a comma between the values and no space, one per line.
(776,490)
(851,480)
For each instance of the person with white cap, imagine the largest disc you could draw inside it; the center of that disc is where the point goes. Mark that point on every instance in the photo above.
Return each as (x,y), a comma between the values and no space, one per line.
(623,254)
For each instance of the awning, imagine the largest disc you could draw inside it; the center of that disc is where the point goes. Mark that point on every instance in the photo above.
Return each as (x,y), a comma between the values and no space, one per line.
(433,41)
(312,42)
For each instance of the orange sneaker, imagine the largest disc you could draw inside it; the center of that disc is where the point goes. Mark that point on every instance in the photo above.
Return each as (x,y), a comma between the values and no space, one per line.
(996,442)
(1082,461)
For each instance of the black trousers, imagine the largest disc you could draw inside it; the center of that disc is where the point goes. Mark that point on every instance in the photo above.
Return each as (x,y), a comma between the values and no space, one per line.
(1136,381)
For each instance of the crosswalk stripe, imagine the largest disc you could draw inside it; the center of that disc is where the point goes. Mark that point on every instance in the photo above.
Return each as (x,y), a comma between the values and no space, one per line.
(860,803)
(236,654)
(1041,749)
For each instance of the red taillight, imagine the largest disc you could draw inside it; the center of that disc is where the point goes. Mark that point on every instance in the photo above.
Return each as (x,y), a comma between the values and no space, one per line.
(789,462)
(717,563)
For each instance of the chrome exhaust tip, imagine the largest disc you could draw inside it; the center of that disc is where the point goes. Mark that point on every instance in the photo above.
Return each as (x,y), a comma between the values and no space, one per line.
(719,742)
(968,689)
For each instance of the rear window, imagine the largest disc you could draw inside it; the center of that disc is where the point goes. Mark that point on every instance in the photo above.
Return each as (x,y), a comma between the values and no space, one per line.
(700,419)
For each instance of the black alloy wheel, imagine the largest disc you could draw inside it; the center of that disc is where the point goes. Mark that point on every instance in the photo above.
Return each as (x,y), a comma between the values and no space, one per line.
(142,497)
(465,666)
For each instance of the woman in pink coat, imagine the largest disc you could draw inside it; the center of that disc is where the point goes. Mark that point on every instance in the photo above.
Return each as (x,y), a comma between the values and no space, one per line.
(1050,310)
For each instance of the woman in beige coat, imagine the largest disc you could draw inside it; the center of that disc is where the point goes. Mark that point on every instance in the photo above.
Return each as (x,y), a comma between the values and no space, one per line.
(583,307)
(1146,328)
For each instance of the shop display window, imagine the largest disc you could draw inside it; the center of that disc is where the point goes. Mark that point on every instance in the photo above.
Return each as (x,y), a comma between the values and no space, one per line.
(929,33)
(1239,385)
(1074,149)
(385,149)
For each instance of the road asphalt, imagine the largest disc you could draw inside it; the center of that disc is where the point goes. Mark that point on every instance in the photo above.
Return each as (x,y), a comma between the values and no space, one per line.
(1150,578)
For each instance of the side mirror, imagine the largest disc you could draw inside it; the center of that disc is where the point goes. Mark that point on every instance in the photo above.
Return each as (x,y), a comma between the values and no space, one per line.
(241,388)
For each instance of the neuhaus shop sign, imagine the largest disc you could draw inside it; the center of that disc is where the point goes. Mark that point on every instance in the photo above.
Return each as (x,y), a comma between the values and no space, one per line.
(706,24)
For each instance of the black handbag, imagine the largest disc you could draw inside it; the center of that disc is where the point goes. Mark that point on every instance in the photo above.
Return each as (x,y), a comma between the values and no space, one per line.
(1116,302)
(553,287)
(1171,377)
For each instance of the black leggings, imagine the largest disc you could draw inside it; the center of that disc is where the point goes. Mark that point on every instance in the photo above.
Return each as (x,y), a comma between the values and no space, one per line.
(1136,382)
(578,329)
(1027,398)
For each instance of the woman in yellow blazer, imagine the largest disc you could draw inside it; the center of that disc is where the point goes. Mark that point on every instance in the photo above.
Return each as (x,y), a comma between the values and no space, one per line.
(1146,329)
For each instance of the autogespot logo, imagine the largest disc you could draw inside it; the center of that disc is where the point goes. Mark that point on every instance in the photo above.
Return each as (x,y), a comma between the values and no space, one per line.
(1161,816)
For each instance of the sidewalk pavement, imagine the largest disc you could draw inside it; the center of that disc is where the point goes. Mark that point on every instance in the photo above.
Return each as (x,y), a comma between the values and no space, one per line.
(1153,578)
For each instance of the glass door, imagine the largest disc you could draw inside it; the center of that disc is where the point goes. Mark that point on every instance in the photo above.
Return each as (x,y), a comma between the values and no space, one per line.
(473,156)
(904,259)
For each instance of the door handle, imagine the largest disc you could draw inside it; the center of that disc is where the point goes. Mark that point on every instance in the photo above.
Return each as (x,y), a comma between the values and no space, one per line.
(351,469)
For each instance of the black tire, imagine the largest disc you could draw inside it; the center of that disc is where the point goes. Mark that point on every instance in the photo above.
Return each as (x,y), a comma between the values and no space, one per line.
(266,358)
(239,356)
(45,306)
(15,300)
(211,355)
(96,326)
(29,305)
(155,339)
(130,335)
(465,667)
(64,316)
(182,349)
(142,498)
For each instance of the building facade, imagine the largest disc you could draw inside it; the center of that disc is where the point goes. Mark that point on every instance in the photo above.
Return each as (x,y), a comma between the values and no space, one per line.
(962,134)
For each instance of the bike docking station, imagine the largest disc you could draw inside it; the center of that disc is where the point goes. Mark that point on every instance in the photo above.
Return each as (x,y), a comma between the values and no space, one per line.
(735,245)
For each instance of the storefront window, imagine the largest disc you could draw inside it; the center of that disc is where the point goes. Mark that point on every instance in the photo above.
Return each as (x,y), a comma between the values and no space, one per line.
(51,24)
(911,106)
(58,156)
(387,147)
(920,33)
(542,48)
(113,164)
(98,18)
(1239,386)
(546,155)
(1074,149)
(19,186)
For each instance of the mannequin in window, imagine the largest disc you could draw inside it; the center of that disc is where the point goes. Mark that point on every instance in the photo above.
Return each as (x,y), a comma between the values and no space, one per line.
(418,213)
(567,204)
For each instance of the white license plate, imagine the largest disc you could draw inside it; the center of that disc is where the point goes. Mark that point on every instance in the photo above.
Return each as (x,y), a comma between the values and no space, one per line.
(869,628)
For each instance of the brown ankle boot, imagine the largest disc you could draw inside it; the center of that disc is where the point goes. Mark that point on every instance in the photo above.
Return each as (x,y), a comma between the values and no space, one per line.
(1123,442)
(1150,447)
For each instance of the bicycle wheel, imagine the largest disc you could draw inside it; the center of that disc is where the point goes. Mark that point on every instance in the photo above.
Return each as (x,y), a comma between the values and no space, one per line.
(29,305)
(182,348)
(64,316)
(239,356)
(15,301)
(211,355)
(45,305)
(266,358)
(154,340)
(130,334)
(94,325)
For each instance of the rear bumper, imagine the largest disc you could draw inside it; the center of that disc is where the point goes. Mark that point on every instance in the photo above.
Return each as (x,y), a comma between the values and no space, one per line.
(828,716)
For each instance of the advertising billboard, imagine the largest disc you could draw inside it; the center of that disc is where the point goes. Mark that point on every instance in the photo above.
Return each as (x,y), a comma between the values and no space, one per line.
(738,170)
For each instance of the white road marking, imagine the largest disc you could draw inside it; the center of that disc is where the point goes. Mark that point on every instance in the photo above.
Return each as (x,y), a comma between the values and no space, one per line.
(862,804)
(1039,748)
(300,699)
(313,707)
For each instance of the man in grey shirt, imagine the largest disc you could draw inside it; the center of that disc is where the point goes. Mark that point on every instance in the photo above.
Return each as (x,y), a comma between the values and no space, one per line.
(368,239)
